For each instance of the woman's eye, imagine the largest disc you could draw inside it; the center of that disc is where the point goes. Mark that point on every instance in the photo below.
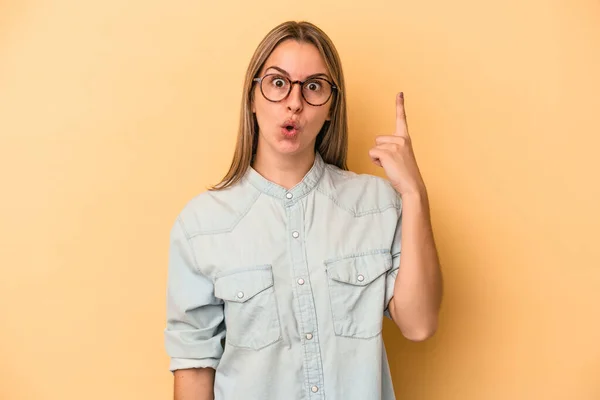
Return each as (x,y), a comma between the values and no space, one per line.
(313,86)
(279,82)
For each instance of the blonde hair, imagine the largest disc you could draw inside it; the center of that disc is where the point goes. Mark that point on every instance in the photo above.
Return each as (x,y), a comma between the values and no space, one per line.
(332,140)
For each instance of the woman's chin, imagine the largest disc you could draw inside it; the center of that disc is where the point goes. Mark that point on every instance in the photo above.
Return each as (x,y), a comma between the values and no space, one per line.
(285,147)
(289,145)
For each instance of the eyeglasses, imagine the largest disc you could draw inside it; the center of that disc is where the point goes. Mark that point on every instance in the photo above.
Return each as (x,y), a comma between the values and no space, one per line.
(316,91)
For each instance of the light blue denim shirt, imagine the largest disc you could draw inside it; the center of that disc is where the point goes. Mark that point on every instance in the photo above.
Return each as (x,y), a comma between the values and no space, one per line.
(283,292)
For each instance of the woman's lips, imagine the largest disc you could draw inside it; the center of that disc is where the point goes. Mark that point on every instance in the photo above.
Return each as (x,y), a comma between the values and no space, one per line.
(289,132)
(290,128)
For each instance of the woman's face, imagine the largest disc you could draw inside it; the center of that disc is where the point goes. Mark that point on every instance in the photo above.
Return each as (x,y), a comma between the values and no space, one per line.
(291,125)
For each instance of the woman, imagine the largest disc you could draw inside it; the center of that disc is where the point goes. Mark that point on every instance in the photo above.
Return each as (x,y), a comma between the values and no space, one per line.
(280,275)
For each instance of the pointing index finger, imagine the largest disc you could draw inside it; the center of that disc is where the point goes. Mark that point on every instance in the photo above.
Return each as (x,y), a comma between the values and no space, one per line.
(401,125)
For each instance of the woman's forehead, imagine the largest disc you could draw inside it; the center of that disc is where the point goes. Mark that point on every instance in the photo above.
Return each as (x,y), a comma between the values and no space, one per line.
(299,60)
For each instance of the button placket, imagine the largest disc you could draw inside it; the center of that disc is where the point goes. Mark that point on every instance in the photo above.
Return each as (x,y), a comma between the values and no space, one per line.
(303,294)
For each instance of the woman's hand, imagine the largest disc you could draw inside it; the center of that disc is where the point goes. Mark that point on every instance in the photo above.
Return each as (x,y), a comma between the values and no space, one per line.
(395,154)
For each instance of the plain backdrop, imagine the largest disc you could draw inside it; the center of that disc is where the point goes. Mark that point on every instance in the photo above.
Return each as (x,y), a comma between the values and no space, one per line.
(113,114)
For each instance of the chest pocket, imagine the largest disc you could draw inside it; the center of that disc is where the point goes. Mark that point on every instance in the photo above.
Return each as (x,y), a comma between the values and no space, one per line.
(357,293)
(251,316)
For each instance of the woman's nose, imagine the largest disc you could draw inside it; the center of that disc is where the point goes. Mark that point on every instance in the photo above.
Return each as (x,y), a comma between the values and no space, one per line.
(295,100)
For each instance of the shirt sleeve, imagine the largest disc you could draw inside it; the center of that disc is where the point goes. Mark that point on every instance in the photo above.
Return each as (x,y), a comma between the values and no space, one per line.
(393,273)
(195,327)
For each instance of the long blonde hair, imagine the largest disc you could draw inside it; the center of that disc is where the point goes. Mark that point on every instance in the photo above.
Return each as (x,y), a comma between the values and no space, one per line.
(332,140)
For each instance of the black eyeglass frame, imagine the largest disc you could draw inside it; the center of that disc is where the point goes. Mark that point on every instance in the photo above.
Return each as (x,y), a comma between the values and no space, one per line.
(292,83)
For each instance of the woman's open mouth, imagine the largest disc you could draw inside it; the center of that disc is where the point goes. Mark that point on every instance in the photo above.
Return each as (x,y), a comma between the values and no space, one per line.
(290,129)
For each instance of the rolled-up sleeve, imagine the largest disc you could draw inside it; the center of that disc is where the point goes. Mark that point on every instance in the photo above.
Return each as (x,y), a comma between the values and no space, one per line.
(393,272)
(195,325)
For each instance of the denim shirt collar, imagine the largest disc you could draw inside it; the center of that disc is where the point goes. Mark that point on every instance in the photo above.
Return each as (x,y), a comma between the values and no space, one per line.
(308,183)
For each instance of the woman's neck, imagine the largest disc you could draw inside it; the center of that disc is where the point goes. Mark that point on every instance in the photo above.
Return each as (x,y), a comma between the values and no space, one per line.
(284,170)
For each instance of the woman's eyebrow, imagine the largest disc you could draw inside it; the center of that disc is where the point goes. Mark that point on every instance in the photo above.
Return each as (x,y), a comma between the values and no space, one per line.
(288,75)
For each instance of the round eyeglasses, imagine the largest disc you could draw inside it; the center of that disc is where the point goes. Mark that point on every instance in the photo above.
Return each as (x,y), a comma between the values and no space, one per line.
(315,91)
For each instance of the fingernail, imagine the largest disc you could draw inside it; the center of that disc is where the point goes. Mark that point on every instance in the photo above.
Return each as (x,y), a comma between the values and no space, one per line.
(401,95)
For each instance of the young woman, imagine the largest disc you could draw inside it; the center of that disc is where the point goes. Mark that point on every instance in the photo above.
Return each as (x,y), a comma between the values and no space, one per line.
(280,275)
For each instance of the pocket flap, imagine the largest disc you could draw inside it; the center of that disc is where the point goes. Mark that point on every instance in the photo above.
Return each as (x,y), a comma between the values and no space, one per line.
(359,269)
(241,285)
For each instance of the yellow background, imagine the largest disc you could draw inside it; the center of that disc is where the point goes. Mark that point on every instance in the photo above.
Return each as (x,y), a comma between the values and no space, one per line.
(114,113)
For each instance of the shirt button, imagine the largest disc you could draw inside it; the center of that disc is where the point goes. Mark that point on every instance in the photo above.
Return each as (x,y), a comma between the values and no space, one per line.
(289,195)
(300,281)
(295,234)
(240,295)
(314,389)
(309,336)
(360,278)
